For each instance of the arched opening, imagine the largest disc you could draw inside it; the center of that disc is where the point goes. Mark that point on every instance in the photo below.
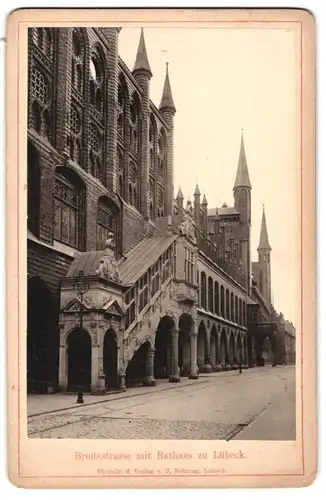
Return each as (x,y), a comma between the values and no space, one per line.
(214,347)
(163,348)
(42,337)
(232,350)
(185,325)
(33,189)
(79,360)
(239,354)
(223,349)
(137,367)
(110,360)
(202,353)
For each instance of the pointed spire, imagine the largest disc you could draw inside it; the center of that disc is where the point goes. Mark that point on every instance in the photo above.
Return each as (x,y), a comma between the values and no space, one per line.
(263,242)
(141,63)
(242,178)
(167,99)
(197,192)
(204,202)
(180,194)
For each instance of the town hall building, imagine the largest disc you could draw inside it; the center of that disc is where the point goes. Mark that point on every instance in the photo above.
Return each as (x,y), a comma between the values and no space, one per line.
(128,282)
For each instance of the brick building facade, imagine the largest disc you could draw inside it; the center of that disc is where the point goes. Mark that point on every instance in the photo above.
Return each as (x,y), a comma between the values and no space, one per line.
(167,285)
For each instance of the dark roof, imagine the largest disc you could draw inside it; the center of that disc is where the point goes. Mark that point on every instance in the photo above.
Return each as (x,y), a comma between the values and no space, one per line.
(227,211)
(211,212)
(141,62)
(263,241)
(167,99)
(242,178)
(142,256)
(88,262)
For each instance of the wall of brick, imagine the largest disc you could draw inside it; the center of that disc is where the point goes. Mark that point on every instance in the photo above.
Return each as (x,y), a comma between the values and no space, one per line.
(134,227)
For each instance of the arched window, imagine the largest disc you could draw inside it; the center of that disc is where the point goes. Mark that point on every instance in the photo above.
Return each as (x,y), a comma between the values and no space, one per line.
(107,221)
(162,151)
(222,302)
(69,206)
(217,298)
(203,297)
(232,307)
(244,313)
(227,304)
(97,80)
(240,313)
(236,318)
(33,190)
(152,144)
(210,295)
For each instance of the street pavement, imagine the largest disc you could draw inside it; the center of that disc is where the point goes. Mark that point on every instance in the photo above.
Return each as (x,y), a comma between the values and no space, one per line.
(257,404)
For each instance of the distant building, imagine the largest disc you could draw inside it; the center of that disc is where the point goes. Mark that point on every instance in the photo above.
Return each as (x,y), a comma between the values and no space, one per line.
(168,289)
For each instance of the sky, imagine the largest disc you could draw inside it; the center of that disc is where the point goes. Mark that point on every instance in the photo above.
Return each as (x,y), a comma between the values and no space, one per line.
(224,80)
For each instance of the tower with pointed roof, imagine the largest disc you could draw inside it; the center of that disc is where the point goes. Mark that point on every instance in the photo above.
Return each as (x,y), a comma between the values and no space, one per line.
(264,261)
(143,74)
(242,204)
(167,109)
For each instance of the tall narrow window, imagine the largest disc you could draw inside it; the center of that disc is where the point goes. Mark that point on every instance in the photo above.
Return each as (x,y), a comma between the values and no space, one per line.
(217,298)
(130,299)
(222,302)
(236,318)
(189,265)
(203,298)
(210,295)
(69,208)
(227,304)
(232,307)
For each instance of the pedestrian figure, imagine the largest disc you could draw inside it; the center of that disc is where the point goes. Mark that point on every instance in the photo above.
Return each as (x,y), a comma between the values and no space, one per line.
(80,399)
(240,366)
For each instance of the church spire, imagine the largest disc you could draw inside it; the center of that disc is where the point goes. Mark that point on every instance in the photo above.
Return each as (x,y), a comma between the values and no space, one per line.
(167,99)
(263,242)
(141,63)
(242,178)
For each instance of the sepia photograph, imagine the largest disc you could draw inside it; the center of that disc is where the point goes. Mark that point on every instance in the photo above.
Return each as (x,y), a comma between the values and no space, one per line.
(160,187)
(161,280)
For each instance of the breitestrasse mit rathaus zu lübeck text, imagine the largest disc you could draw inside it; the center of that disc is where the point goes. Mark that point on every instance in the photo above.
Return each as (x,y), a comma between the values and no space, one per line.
(127,283)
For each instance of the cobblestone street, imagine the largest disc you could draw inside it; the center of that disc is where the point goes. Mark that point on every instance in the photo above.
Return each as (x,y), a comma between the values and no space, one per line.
(257,404)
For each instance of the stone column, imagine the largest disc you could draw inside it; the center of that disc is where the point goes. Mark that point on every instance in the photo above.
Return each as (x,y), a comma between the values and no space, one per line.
(150,380)
(175,376)
(193,354)
(63,368)
(96,354)
(219,367)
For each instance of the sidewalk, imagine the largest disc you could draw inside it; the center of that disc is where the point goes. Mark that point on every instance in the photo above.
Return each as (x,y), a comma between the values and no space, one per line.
(38,404)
